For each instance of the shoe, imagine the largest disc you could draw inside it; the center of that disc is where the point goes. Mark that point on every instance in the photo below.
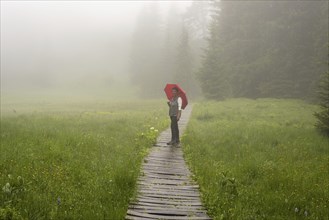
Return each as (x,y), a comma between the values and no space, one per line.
(170,142)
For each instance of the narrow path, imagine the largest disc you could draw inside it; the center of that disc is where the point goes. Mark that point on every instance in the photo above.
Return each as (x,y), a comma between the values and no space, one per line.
(165,189)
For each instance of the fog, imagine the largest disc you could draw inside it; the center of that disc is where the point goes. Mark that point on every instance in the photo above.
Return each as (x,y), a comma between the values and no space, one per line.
(213,49)
(75,47)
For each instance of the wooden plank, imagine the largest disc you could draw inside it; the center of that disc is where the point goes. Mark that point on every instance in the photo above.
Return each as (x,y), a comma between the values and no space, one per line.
(169,186)
(130,217)
(160,167)
(164,173)
(166,164)
(173,157)
(164,160)
(170,197)
(156,178)
(178,191)
(166,177)
(168,157)
(157,206)
(139,214)
(168,202)
(177,198)
(164,182)
(175,193)
(169,148)
(184,190)
(169,190)
(168,169)
(173,212)
(181,206)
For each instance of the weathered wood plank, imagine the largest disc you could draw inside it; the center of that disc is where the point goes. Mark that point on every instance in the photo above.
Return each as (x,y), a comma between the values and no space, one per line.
(129,217)
(161,172)
(170,193)
(167,177)
(170,196)
(169,186)
(164,182)
(171,190)
(139,214)
(144,205)
(180,206)
(173,212)
(164,169)
(166,166)
(167,201)
(166,158)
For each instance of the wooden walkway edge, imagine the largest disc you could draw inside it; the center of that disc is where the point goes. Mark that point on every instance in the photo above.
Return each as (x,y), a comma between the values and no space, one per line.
(165,188)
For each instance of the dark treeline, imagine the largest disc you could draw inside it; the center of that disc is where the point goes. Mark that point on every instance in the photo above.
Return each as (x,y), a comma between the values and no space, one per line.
(265,49)
(248,49)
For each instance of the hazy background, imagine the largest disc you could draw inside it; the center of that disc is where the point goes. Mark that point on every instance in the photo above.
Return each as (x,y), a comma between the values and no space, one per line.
(213,49)
(70,48)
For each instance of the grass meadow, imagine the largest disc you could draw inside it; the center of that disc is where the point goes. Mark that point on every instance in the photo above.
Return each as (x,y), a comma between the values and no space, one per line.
(253,159)
(74,160)
(259,159)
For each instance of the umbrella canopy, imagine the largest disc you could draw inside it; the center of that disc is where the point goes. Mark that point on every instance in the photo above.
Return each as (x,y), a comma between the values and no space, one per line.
(181,93)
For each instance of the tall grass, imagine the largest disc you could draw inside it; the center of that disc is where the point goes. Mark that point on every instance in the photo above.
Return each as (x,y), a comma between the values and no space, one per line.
(74,160)
(259,159)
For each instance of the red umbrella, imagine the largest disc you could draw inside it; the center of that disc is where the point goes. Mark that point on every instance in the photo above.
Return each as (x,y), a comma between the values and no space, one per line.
(181,93)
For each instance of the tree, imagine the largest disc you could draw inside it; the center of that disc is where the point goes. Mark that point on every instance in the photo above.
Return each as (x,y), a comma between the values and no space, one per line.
(323,115)
(196,21)
(265,49)
(213,81)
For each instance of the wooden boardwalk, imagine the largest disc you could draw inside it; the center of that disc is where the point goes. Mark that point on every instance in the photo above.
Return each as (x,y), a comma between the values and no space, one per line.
(165,189)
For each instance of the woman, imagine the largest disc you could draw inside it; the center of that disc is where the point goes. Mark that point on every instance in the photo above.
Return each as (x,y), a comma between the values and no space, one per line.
(175,110)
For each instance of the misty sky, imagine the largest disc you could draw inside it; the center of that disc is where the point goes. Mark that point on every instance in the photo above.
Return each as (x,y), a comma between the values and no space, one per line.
(73,43)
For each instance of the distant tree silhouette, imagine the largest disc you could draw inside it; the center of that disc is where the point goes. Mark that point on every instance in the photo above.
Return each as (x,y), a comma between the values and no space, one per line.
(323,115)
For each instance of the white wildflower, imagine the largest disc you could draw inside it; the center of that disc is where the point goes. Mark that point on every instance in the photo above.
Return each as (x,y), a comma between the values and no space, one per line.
(306,213)
(7,188)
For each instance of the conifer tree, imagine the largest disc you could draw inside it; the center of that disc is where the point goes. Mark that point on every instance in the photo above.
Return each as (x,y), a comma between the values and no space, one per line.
(214,83)
(323,115)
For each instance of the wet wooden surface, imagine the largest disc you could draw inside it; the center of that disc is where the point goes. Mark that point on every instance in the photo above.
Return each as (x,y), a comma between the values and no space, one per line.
(165,187)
